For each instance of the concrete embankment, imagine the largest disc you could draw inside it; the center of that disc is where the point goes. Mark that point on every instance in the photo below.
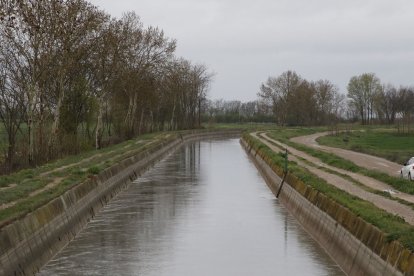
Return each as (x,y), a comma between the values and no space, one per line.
(27,244)
(358,247)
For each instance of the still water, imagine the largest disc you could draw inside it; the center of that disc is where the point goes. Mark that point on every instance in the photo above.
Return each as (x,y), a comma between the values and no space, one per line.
(203,210)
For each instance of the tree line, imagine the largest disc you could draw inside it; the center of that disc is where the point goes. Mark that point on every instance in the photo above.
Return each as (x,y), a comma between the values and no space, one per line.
(297,101)
(235,111)
(73,77)
(372,101)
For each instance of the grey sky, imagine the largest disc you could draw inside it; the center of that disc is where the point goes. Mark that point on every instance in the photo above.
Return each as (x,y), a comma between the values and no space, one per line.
(244,42)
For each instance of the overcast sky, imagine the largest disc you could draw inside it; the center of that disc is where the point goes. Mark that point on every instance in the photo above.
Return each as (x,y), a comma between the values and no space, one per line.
(246,41)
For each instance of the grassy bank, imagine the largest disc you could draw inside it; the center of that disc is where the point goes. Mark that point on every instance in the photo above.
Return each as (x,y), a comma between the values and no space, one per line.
(399,184)
(390,145)
(29,189)
(393,226)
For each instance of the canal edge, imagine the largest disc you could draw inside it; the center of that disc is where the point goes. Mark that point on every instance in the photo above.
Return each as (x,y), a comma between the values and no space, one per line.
(30,242)
(350,253)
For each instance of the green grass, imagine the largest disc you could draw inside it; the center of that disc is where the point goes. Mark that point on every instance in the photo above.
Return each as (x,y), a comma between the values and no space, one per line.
(399,184)
(333,160)
(18,186)
(21,184)
(284,134)
(393,226)
(94,170)
(386,144)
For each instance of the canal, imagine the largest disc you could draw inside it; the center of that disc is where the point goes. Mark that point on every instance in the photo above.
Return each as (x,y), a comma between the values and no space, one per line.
(203,210)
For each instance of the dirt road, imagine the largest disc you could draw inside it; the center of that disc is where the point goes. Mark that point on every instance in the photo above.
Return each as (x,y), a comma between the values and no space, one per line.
(360,159)
(315,166)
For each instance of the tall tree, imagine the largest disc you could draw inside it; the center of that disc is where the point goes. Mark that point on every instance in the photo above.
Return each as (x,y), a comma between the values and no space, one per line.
(386,104)
(11,107)
(325,93)
(66,66)
(277,90)
(362,91)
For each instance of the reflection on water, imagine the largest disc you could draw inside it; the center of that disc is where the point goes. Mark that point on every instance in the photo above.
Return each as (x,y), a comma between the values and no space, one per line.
(204,210)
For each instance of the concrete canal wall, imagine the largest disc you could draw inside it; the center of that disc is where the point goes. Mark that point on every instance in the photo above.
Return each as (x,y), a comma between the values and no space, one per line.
(27,244)
(357,247)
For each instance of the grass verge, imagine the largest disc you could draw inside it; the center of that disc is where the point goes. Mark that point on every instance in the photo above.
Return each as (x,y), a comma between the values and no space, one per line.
(390,145)
(26,190)
(399,184)
(347,177)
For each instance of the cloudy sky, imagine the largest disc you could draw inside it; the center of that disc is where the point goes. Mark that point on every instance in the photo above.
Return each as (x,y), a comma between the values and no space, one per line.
(245,41)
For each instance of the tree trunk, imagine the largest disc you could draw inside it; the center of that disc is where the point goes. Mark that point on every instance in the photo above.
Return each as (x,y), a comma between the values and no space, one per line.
(54,133)
(108,118)
(130,116)
(141,122)
(11,147)
(30,123)
(172,117)
(199,112)
(99,130)
(152,121)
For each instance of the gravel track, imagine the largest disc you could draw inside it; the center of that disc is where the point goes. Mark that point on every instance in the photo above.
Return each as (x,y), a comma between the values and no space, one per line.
(314,165)
(361,159)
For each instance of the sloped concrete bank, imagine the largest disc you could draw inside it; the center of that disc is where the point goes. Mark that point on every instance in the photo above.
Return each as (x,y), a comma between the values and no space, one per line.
(356,246)
(27,244)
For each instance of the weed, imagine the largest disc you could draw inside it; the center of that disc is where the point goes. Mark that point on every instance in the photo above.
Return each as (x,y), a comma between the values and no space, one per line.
(94,170)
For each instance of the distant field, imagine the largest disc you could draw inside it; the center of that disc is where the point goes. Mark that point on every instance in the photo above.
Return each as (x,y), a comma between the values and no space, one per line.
(283,134)
(387,144)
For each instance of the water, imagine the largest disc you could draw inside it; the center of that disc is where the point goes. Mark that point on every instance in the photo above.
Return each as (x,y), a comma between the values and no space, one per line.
(204,210)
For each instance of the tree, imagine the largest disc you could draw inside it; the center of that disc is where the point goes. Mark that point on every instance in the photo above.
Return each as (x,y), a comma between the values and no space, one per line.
(11,109)
(78,27)
(362,90)
(277,90)
(406,109)
(386,104)
(66,65)
(296,101)
(301,105)
(326,95)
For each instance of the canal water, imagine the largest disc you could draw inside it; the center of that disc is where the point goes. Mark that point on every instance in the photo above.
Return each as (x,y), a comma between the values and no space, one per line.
(203,210)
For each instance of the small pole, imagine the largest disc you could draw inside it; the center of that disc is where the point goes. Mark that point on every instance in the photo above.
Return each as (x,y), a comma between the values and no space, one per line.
(285,172)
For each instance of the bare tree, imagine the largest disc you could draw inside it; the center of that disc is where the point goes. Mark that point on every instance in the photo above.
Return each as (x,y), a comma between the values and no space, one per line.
(296,101)
(277,90)
(386,104)
(326,93)
(11,109)
(405,110)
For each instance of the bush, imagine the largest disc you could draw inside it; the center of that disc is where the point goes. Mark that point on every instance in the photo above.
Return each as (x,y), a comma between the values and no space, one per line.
(94,170)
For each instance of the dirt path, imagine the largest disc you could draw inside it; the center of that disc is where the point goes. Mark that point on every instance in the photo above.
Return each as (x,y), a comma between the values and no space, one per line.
(95,156)
(365,180)
(389,205)
(361,159)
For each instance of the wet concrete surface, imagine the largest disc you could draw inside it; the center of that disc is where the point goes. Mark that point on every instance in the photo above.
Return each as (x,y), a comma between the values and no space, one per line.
(204,210)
